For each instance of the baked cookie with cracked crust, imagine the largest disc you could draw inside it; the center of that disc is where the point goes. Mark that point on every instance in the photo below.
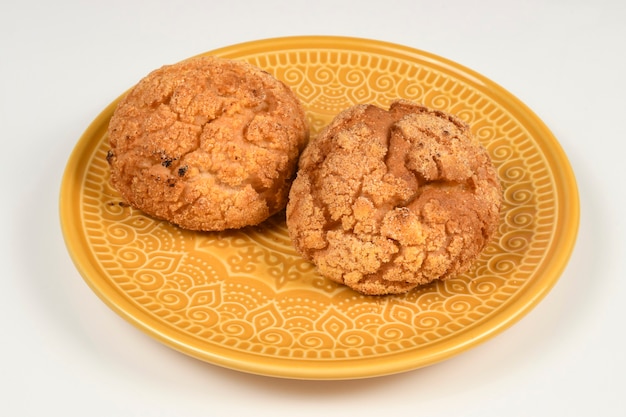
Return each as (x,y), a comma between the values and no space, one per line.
(387,200)
(207,144)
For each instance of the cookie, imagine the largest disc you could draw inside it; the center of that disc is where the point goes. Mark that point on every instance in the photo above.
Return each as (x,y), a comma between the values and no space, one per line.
(207,144)
(388,200)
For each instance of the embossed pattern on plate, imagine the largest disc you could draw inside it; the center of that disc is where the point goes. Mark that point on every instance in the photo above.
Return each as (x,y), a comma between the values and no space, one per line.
(246,300)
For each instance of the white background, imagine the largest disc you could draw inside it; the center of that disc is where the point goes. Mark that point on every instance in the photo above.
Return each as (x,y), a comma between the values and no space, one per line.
(64,352)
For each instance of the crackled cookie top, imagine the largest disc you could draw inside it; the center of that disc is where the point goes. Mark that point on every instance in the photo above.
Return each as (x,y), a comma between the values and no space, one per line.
(385,201)
(207,144)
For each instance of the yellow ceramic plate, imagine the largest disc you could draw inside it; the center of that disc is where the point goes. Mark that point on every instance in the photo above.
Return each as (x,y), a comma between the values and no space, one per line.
(245,299)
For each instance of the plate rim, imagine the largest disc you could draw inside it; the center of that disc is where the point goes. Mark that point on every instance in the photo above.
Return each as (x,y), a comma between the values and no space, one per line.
(568,219)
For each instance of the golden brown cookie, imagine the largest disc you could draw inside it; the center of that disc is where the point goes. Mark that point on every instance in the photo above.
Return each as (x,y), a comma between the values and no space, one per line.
(385,201)
(207,144)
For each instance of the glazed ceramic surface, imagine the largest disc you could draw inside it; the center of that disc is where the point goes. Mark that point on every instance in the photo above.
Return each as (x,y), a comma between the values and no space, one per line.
(244,299)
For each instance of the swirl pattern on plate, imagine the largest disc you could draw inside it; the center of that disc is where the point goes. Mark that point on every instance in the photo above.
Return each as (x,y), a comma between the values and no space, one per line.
(248,290)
